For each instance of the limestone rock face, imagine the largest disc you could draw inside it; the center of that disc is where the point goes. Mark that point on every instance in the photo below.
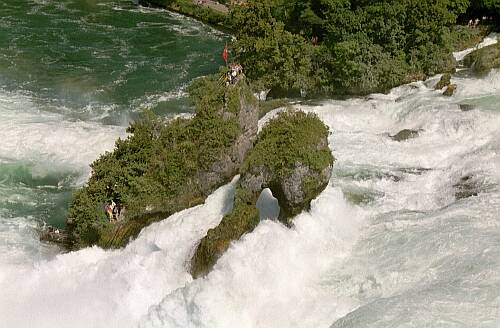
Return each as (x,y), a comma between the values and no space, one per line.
(291,157)
(228,165)
(483,60)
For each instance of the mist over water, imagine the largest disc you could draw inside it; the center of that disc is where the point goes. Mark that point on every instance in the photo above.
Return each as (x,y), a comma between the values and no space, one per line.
(391,242)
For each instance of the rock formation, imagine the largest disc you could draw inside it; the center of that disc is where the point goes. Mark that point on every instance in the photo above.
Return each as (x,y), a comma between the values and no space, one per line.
(164,168)
(291,157)
(450,90)
(444,81)
(405,134)
(483,60)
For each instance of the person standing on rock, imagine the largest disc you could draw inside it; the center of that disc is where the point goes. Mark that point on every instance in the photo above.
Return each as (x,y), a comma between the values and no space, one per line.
(225,54)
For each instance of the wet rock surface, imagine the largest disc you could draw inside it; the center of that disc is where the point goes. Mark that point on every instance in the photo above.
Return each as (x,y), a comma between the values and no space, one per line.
(444,81)
(468,186)
(450,90)
(466,107)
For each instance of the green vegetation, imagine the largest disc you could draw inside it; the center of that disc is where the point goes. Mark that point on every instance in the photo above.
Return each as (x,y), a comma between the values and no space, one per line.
(443,82)
(269,105)
(464,37)
(480,8)
(290,138)
(483,60)
(154,172)
(243,219)
(346,46)
(343,47)
(292,158)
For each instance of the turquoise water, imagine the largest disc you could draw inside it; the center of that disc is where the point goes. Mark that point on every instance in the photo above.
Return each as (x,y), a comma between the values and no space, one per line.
(73,73)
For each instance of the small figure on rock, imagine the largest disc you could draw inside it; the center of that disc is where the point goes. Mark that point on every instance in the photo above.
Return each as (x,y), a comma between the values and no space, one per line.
(234,73)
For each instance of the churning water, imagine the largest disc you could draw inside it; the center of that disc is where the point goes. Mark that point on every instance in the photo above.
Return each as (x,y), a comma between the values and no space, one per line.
(407,234)
(73,73)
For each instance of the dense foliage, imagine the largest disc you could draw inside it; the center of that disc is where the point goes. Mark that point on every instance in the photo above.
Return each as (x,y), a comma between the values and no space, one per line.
(345,46)
(157,164)
(291,137)
(479,8)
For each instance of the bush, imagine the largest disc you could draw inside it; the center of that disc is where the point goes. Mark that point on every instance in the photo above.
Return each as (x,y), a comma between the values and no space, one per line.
(363,46)
(154,170)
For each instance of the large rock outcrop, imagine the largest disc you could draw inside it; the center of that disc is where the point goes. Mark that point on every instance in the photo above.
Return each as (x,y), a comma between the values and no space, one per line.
(164,168)
(290,157)
(482,61)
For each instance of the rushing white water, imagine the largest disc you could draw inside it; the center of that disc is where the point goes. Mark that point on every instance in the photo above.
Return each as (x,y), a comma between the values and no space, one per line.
(32,135)
(492,38)
(387,244)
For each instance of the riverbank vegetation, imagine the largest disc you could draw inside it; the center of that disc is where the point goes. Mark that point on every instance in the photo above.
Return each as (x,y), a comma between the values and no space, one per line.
(343,47)
(318,47)
(346,47)
(213,15)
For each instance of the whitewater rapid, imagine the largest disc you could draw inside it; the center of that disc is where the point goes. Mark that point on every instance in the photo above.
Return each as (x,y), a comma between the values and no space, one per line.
(387,244)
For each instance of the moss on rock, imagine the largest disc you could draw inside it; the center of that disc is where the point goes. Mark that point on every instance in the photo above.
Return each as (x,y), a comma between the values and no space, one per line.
(243,219)
(483,60)
(164,167)
(292,158)
(444,81)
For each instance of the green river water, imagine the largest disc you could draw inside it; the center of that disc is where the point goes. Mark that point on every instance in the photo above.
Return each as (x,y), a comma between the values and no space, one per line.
(86,67)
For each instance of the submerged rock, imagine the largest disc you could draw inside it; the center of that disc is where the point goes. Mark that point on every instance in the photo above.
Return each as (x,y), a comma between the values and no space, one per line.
(55,235)
(415,170)
(467,187)
(483,60)
(466,107)
(291,157)
(444,81)
(405,134)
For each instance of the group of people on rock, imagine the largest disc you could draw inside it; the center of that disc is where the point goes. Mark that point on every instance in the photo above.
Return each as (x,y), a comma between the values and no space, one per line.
(473,23)
(234,73)
(113,211)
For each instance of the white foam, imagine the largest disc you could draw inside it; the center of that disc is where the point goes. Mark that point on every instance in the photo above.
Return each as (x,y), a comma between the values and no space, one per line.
(411,254)
(31,135)
(492,38)
(93,288)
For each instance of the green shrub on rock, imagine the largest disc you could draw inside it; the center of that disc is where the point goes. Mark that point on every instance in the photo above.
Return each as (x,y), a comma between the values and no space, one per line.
(291,157)
(243,219)
(164,167)
(483,60)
